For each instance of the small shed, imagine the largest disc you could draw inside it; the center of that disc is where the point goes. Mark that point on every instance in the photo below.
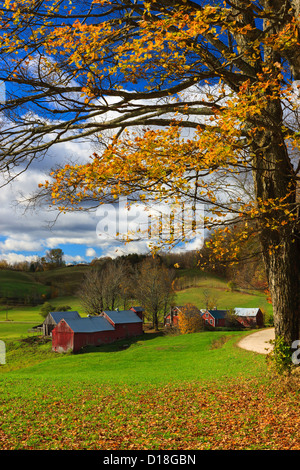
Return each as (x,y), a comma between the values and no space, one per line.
(215,318)
(139,311)
(250,317)
(171,319)
(53,318)
(126,322)
(73,334)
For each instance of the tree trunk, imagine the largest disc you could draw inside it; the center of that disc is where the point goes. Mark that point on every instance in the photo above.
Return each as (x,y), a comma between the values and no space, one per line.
(283,269)
(275,179)
(155,320)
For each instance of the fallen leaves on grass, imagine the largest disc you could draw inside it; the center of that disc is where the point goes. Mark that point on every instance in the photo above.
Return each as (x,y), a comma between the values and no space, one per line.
(234,415)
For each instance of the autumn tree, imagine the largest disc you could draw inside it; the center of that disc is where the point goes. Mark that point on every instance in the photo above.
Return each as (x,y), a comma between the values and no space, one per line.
(180,96)
(116,284)
(190,319)
(231,319)
(210,299)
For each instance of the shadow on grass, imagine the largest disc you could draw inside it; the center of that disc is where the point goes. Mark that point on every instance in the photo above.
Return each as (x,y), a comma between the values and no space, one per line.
(120,345)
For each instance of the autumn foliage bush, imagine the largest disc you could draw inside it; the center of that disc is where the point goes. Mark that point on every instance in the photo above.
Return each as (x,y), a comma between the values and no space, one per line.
(190,319)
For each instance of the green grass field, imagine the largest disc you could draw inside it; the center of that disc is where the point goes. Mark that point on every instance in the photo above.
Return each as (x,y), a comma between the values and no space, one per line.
(197,391)
(150,358)
(157,391)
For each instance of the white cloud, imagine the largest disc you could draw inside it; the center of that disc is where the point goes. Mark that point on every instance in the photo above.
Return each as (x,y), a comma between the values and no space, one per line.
(12,258)
(19,244)
(90,253)
(73,259)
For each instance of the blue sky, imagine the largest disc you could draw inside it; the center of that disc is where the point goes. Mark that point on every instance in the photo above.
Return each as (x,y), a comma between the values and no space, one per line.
(25,235)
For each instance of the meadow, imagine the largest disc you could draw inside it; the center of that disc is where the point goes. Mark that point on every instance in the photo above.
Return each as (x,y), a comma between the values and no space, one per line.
(157,391)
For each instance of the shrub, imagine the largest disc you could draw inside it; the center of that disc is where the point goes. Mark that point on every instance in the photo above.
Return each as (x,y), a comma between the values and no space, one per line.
(280,358)
(232,285)
(190,319)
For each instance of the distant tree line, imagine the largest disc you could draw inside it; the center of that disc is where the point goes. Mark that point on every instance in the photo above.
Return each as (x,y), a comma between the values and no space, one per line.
(53,259)
(247,270)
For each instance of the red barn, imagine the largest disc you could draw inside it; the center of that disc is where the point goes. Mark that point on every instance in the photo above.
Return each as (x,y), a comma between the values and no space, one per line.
(125,322)
(215,317)
(53,318)
(139,311)
(172,318)
(110,326)
(75,334)
(250,317)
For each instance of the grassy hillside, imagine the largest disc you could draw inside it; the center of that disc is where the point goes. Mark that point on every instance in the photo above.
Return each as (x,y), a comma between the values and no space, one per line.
(16,284)
(225,299)
(216,288)
(22,318)
(68,278)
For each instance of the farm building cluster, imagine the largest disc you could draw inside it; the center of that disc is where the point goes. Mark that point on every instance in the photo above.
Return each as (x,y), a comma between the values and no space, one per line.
(71,332)
(246,317)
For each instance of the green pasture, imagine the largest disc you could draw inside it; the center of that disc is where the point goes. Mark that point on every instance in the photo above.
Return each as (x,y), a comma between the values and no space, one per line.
(217,289)
(224,298)
(148,359)
(156,391)
(19,284)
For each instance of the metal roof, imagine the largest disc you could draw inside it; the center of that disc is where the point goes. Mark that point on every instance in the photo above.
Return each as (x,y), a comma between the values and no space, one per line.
(89,324)
(123,316)
(57,316)
(246,312)
(218,313)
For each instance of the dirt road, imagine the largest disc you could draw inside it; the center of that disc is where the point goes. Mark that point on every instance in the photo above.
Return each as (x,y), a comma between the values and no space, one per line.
(258,341)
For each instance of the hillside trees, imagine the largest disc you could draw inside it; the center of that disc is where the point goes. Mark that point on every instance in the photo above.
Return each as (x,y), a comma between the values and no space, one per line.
(106,288)
(180,96)
(53,259)
(154,289)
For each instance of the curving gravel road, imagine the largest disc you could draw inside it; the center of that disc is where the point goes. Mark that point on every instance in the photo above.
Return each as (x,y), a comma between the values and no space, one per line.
(258,341)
